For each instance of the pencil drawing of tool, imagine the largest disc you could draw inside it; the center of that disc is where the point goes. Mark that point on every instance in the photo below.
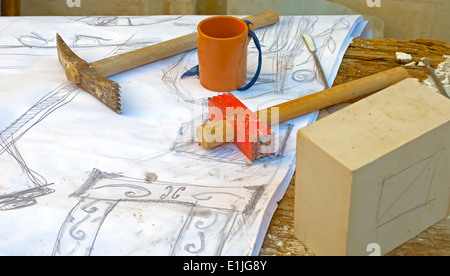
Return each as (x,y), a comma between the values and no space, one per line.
(250,132)
(435,78)
(312,48)
(92,77)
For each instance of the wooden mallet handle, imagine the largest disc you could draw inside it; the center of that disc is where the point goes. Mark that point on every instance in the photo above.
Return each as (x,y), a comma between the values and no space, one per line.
(304,105)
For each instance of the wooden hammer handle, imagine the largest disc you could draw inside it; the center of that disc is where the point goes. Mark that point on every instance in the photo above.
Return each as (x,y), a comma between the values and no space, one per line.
(338,94)
(304,105)
(126,61)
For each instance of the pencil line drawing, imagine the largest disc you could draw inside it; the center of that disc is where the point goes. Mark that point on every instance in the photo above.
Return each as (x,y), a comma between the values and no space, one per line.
(193,201)
(8,143)
(405,185)
(78,41)
(212,211)
(49,103)
(171,78)
(39,111)
(24,198)
(185,145)
(114,21)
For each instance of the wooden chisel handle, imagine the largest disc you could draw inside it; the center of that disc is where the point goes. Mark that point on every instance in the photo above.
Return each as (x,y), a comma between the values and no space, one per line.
(126,61)
(304,105)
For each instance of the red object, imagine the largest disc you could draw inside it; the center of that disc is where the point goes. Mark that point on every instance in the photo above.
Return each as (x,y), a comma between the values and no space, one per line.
(252,136)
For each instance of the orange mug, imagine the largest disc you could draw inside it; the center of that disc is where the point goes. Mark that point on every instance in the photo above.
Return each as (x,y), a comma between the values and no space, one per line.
(222,44)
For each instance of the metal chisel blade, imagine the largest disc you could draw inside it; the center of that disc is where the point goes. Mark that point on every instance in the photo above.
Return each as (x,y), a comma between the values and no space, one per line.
(312,48)
(435,78)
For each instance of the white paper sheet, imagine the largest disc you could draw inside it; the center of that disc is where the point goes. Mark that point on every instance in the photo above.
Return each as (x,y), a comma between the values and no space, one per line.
(78,179)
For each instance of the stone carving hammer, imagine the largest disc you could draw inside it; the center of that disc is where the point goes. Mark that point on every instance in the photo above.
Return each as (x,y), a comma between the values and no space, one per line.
(231,121)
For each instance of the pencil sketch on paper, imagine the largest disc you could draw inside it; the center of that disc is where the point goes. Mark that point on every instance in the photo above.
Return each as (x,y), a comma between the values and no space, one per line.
(114,21)
(8,144)
(209,213)
(185,145)
(190,201)
(49,103)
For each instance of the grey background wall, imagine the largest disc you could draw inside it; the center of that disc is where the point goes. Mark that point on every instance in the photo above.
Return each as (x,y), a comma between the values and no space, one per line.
(402,19)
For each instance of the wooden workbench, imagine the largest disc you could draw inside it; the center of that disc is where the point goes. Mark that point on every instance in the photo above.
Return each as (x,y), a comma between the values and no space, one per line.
(366,57)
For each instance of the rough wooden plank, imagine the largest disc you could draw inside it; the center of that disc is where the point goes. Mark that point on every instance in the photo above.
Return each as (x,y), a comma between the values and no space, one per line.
(365,57)
(435,241)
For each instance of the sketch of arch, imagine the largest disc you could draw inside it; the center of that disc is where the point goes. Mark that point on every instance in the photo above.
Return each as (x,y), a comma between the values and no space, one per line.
(102,192)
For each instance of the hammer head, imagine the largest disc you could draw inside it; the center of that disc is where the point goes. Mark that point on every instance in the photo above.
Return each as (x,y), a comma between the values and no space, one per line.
(251,135)
(84,75)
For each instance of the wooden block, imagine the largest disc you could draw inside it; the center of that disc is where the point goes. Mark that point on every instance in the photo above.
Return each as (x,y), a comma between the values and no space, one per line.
(377,171)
